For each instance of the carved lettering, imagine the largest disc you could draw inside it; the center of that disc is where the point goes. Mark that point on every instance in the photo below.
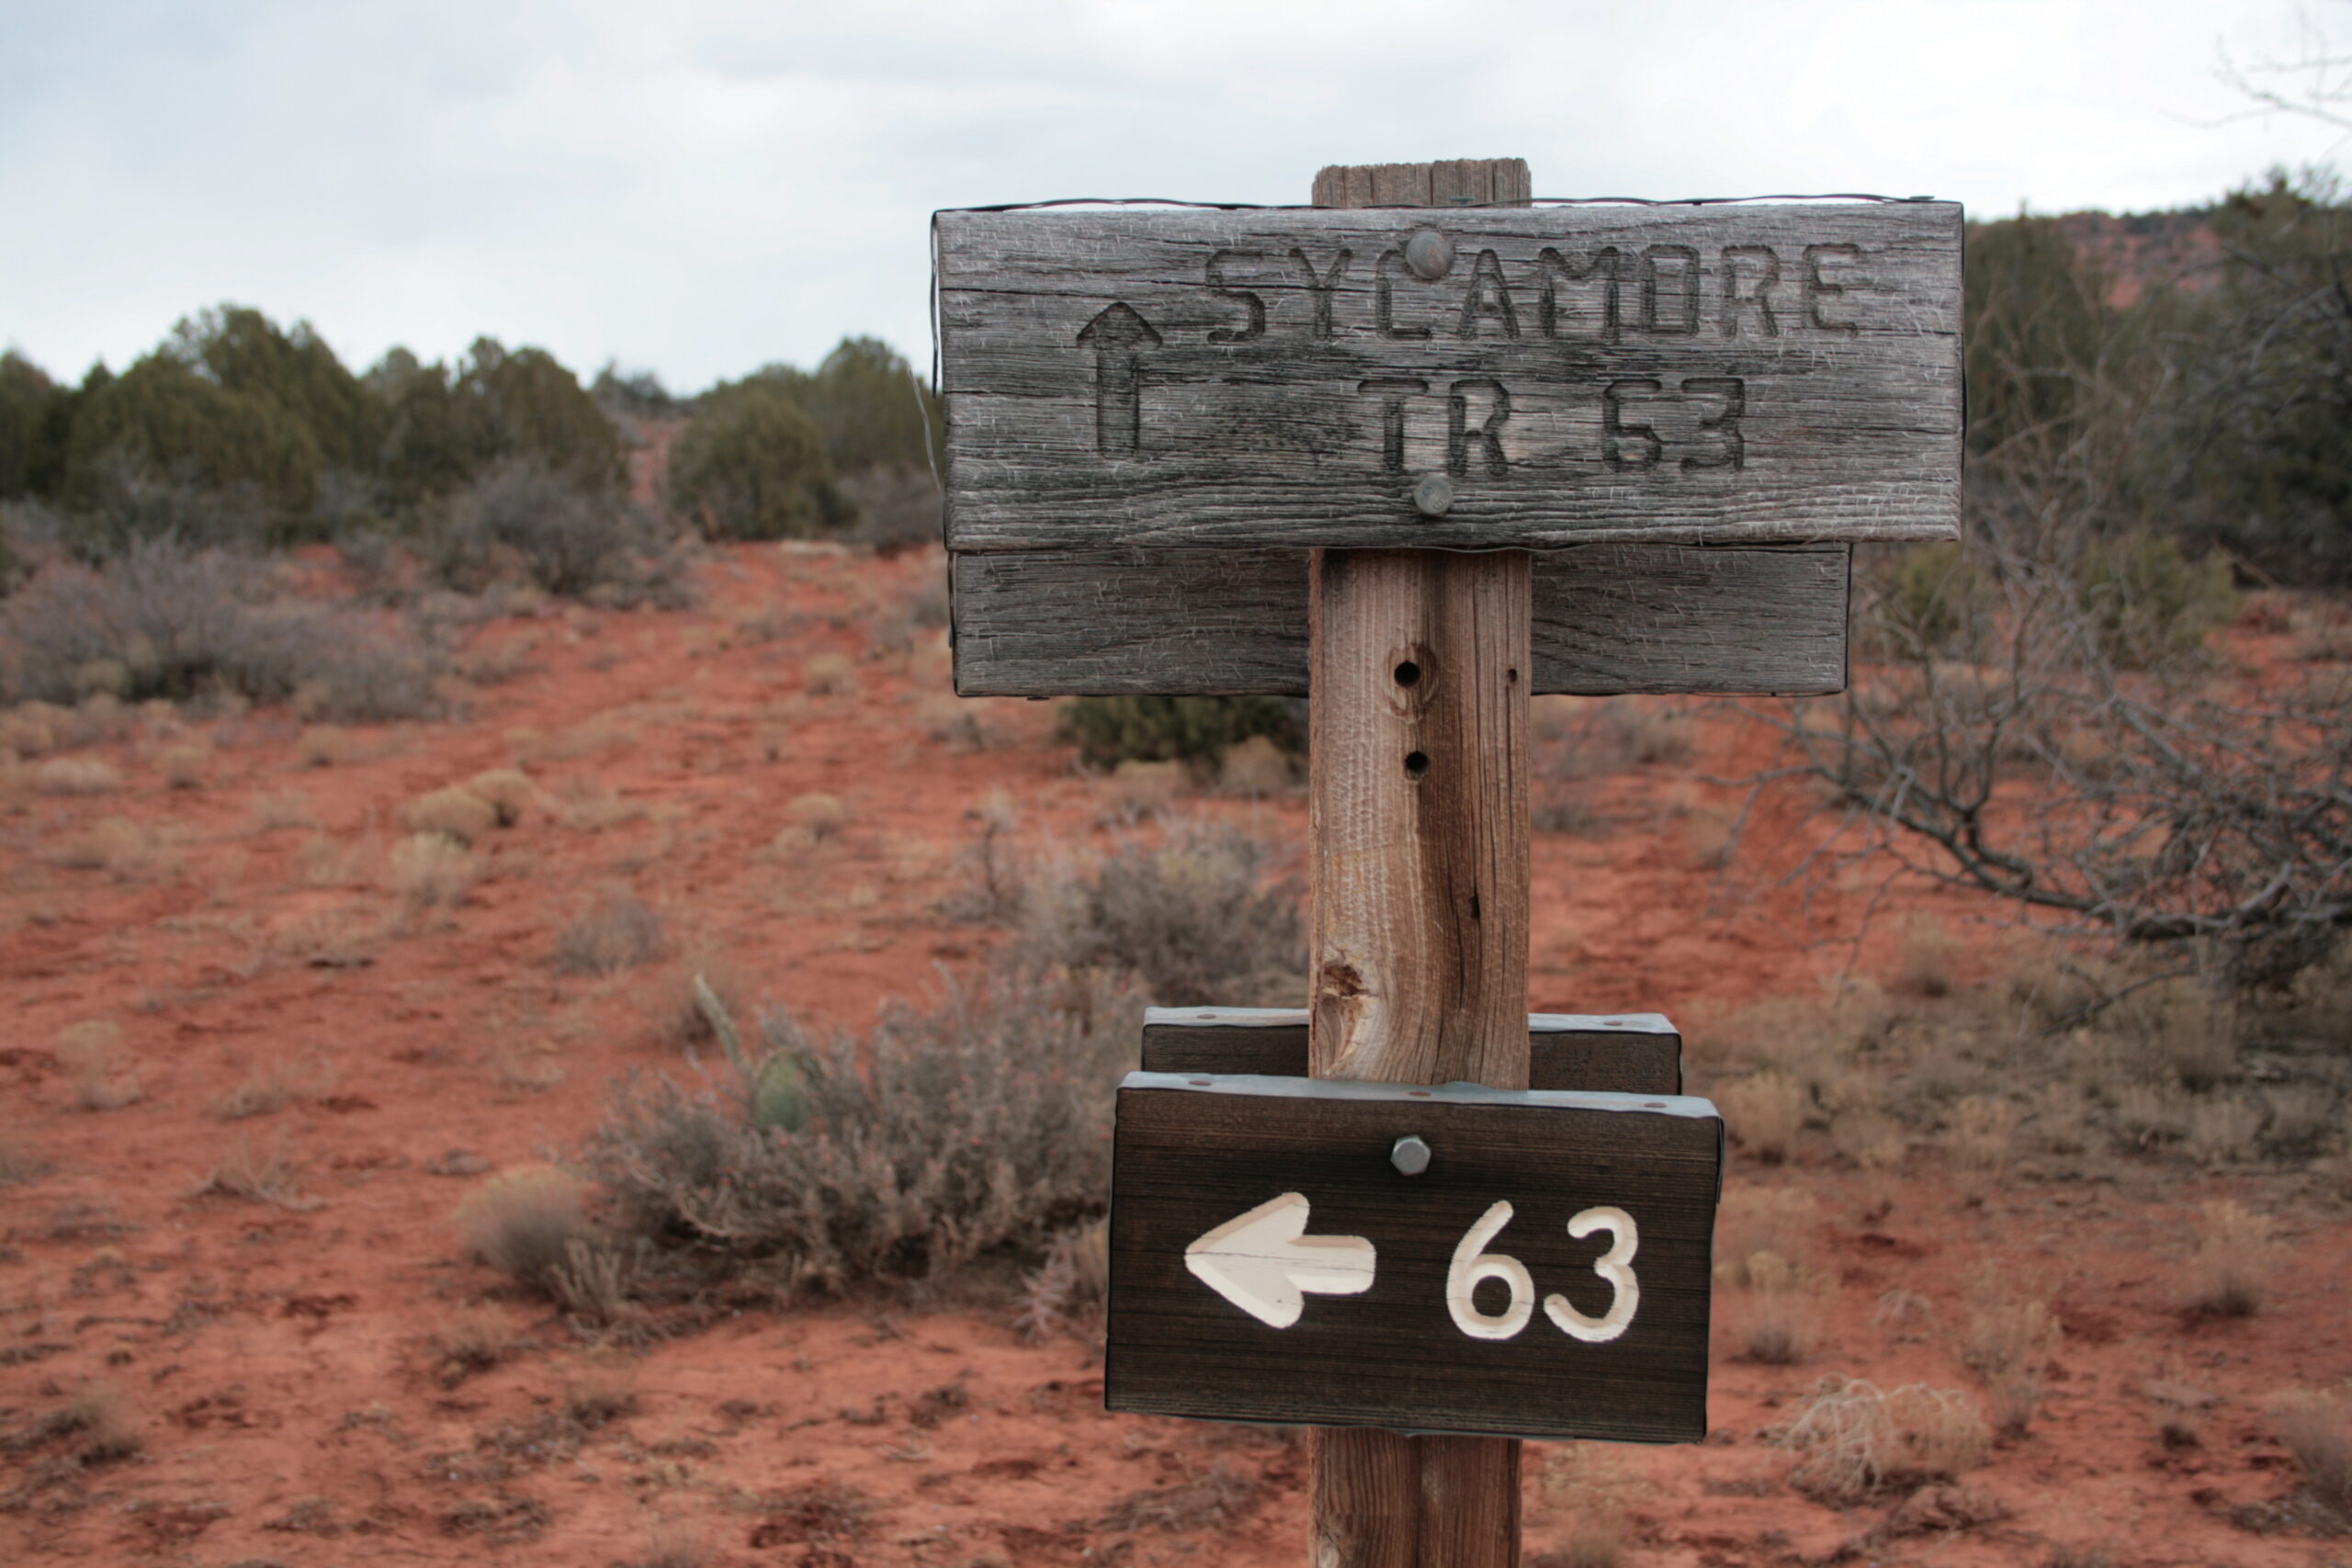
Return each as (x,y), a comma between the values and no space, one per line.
(1256,306)
(1819,289)
(1488,296)
(1319,286)
(1685,320)
(1724,427)
(1554,269)
(1459,438)
(1767,264)
(1392,390)
(1383,303)
(1616,430)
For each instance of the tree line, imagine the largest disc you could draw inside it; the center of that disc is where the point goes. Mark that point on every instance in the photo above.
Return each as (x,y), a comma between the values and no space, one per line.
(236,430)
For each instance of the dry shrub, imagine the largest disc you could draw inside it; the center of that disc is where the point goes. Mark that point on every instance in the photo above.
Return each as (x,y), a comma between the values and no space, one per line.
(31,729)
(257,1175)
(2237,1255)
(1196,916)
(120,847)
(432,871)
(506,790)
(98,1068)
(619,930)
(1589,1483)
(1137,789)
(2009,1343)
(2177,1028)
(1870,1141)
(2221,1130)
(1068,1294)
(816,816)
(1924,967)
(994,873)
(166,619)
(2147,1115)
(326,746)
(524,1222)
(185,766)
(454,812)
(1764,1112)
(77,775)
(264,1090)
(587,807)
(828,675)
(1256,768)
(1783,1311)
(1856,1440)
(1981,1132)
(982,1124)
(2316,1427)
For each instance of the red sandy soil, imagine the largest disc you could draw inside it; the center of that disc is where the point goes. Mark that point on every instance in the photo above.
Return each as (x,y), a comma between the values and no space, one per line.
(276,1363)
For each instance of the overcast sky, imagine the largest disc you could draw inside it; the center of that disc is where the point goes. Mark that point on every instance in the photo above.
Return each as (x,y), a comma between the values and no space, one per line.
(701,187)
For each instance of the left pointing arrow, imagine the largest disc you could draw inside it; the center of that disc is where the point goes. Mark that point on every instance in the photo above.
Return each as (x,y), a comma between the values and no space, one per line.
(1264,1262)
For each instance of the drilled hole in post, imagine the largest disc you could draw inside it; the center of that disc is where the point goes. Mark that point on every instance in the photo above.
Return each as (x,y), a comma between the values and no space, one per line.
(1408,674)
(1416,764)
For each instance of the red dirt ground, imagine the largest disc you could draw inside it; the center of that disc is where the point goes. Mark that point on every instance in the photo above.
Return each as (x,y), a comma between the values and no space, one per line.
(276,1362)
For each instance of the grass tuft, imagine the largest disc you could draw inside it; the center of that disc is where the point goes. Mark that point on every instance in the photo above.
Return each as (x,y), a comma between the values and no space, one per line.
(619,930)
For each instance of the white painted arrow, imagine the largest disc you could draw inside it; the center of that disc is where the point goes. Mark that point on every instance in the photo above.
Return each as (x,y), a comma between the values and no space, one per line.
(1264,1262)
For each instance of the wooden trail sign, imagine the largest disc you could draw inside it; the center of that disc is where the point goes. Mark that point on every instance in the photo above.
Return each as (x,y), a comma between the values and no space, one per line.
(1539,1267)
(1632,1052)
(1467,378)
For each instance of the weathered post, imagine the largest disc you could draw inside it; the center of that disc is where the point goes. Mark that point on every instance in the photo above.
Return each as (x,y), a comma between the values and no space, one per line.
(1420,663)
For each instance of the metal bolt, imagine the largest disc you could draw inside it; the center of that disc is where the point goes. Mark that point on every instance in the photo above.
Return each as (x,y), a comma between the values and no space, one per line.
(1430,254)
(1434,495)
(1410,1156)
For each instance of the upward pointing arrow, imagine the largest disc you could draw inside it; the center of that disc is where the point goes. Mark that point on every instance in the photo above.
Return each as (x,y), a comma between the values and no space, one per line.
(1264,1263)
(1118,336)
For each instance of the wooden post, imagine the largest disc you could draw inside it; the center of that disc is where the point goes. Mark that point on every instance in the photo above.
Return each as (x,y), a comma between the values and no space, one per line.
(1420,667)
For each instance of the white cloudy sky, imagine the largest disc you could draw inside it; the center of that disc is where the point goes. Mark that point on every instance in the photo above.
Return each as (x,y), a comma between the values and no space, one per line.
(699,187)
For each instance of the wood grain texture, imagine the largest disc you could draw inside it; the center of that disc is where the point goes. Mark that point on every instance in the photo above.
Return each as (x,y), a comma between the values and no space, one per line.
(1608,619)
(1717,374)
(1451,181)
(1188,1160)
(1417,795)
(1390,868)
(1621,1053)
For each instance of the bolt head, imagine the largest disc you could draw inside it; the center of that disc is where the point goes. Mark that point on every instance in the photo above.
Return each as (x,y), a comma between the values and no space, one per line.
(1434,495)
(1429,254)
(1411,1155)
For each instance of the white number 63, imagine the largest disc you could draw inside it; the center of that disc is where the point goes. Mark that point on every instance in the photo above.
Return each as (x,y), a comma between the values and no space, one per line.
(1471,1266)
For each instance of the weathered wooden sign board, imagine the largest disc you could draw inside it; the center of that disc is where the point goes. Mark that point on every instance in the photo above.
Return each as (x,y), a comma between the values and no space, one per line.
(1540,1267)
(1632,1052)
(1608,619)
(1459,379)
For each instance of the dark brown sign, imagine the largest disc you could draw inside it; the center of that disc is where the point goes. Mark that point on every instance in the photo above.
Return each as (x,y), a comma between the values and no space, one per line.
(1461,379)
(1455,1258)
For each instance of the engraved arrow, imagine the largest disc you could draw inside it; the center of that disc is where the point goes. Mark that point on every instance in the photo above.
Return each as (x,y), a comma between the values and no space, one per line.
(1118,337)
(1264,1262)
